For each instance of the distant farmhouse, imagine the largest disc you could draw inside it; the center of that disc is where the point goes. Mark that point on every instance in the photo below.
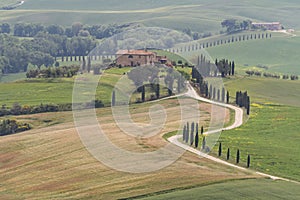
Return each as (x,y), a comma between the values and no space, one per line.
(135,58)
(273,26)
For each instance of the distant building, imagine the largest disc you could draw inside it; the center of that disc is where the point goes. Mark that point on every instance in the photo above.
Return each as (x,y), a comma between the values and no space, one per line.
(273,26)
(135,58)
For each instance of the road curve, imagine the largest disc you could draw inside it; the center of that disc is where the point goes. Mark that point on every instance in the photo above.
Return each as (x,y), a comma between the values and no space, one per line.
(237,122)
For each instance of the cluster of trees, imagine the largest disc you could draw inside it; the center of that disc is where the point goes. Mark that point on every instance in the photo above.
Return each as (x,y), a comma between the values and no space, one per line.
(225,68)
(18,109)
(243,100)
(76,29)
(196,35)
(53,72)
(16,54)
(233,25)
(8,126)
(218,94)
(148,76)
(269,75)
(190,135)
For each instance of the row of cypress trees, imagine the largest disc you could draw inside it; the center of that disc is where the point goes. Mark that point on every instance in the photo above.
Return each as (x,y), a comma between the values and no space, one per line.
(238,155)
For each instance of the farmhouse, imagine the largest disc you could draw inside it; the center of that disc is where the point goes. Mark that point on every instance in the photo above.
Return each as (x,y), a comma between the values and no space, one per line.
(139,57)
(273,26)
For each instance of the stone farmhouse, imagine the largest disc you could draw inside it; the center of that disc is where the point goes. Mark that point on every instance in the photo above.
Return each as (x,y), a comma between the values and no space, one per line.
(135,58)
(273,26)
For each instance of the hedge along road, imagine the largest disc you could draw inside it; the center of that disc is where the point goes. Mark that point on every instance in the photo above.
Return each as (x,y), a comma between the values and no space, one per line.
(237,122)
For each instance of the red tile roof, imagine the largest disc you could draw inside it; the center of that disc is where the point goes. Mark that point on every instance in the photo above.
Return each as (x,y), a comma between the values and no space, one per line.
(135,52)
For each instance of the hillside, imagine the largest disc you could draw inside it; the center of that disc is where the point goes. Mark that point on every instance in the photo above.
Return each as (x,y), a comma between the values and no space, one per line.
(203,16)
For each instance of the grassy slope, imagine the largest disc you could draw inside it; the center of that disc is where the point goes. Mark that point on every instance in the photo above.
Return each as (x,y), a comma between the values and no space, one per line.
(52,162)
(241,189)
(201,15)
(37,91)
(271,135)
(278,53)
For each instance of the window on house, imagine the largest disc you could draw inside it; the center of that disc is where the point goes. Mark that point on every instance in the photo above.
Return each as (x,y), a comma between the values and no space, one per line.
(130,56)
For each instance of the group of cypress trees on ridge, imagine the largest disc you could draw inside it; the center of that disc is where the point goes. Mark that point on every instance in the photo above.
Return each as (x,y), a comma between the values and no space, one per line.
(196,46)
(238,155)
(243,100)
(190,135)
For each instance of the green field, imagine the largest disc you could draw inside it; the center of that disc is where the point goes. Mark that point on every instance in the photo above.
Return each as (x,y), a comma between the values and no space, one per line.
(203,16)
(271,135)
(240,189)
(279,53)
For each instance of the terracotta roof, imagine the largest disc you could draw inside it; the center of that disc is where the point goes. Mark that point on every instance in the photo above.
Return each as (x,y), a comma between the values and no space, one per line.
(135,52)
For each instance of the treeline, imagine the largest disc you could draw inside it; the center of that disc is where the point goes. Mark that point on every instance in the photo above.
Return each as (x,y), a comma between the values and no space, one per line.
(16,54)
(269,75)
(9,126)
(53,72)
(235,25)
(76,29)
(18,109)
(238,155)
(227,40)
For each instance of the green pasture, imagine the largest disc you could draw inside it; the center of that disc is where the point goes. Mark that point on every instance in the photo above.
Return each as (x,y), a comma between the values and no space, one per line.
(279,54)
(238,189)
(203,16)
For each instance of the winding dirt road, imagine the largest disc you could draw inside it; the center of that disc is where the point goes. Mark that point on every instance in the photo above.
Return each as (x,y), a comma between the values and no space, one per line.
(237,122)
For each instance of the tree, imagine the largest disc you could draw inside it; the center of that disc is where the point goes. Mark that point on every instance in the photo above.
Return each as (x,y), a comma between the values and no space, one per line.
(204,143)
(143,93)
(183,133)
(76,27)
(223,94)
(227,97)
(187,132)
(248,161)
(192,133)
(113,98)
(228,154)
(89,63)
(5,28)
(220,149)
(202,130)
(197,139)
(232,68)
(238,156)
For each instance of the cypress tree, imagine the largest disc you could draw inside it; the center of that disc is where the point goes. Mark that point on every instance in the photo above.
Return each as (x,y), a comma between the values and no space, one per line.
(248,105)
(196,139)
(220,149)
(113,99)
(232,68)
(248,161)
(202,130)
(214,93)
(218,95)
(223,94)
(203,143)
(227,97)
(183,133)
(157,91)
(192,133)
(187,132)
(210,91)
(238,156)
(143,93)
(228,154)
(89,64)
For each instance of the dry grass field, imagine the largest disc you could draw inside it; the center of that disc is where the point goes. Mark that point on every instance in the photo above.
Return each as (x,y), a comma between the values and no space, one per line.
(50,161)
